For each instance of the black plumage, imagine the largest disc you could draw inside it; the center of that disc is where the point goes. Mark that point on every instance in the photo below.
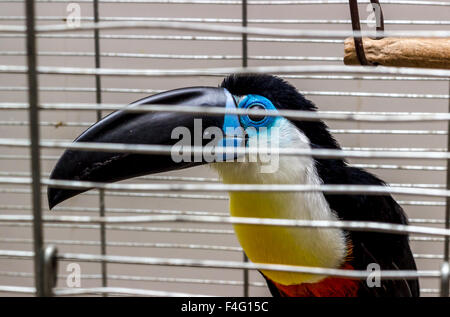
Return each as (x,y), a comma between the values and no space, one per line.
(390,251)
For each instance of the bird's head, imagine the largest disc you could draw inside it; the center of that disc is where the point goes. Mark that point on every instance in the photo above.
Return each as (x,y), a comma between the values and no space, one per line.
(178,129)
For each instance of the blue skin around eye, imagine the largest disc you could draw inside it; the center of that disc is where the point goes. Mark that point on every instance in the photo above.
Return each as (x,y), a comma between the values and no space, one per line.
(230,120)
(251,100)
(232,130)
(233,122)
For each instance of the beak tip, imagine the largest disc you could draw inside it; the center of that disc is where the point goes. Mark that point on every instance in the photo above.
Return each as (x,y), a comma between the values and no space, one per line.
(52,198)
(56,196)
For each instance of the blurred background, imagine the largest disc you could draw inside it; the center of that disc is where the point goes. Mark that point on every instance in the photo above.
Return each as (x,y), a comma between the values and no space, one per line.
(173,49)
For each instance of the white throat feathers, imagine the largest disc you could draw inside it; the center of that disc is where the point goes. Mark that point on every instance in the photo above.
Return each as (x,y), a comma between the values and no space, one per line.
(313,247)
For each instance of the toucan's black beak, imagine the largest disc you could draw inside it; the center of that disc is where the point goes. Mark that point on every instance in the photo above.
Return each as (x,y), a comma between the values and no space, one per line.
(136,128)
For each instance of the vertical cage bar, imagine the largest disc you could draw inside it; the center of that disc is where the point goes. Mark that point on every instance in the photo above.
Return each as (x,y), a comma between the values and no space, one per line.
(33,116)
(98,92)
(98,99)
(103,238)
(445,278)
(244,35)
(245,277)
(245,64)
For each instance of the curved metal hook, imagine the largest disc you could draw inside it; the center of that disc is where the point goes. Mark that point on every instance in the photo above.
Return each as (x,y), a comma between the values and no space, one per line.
(445,279)
(356,26)
(50,269)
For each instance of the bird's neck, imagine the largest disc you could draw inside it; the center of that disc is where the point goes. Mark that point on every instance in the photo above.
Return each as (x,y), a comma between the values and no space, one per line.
(281,245)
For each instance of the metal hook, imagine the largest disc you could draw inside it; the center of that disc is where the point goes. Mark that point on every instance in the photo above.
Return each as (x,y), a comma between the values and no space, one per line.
(50,270)
(356,26)
(445,278)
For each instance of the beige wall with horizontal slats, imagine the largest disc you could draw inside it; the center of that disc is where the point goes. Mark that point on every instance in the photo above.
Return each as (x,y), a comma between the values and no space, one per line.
(186,49)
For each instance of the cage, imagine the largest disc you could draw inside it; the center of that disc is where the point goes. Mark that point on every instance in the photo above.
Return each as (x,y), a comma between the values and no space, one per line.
(66,64)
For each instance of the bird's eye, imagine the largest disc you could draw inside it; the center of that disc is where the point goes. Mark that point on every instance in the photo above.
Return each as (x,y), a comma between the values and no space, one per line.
(252,103)
(254,117)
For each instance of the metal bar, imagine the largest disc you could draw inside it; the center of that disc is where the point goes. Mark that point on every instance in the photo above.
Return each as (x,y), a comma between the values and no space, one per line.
(206,197)
(290,114)
(167,150)
(180,56)
(394,149)
(122,210)
(356,26)
(165,280)
(33,112)
(227,70)
(381,131)
(357,116)
(145,279)
(155,229)
(160,229)
(245,58)
(131,244)
(84,89)
(250,2)
(201,213)
(17,289)
(166,178)
(376,7)
(318,224)
(177,262)
(207,180)
(401,167)
(326,188)
(426,239)
(428,256)
(334,131)
(50,270)
(318,77)
(121,290)
(98,98)
(54,157)
(125,194)
(445,276)
(445,282)
(179,246)
(366,166)
(127,228)
(178,38)
(61,124)
(421,203)
(176,246)
(348,77)
(217,187)
(330,34)
(429,291)
(231,20)
(374,94)
(103,243)
(244,35)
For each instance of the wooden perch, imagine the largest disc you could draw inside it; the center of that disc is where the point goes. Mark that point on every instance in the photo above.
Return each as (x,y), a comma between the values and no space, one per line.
(402,52)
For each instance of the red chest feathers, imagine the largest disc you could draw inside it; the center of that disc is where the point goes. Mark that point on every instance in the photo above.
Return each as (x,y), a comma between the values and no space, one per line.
(328,287)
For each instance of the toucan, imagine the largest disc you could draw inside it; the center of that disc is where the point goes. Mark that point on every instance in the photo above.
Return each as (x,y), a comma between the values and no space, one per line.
(312,247)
